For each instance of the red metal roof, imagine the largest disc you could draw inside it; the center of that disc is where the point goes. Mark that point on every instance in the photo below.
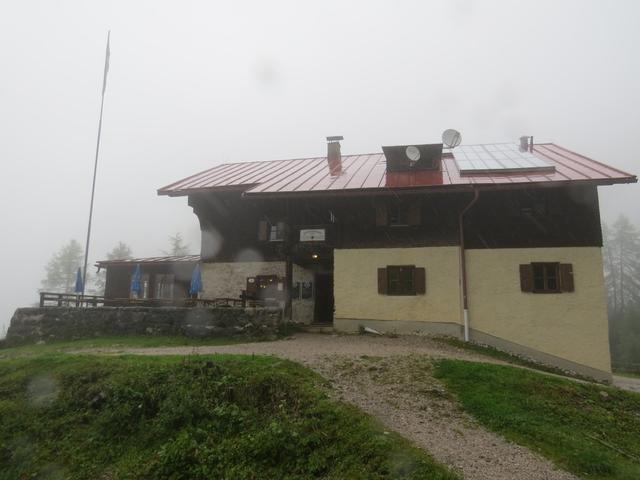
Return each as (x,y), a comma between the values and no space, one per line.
(367,172)
(167,259)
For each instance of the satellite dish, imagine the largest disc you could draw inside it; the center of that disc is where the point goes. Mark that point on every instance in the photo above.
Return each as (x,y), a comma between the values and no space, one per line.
(451,138)
(413,153)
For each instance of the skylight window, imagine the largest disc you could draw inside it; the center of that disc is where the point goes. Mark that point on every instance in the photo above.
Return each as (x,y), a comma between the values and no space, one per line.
(498,158)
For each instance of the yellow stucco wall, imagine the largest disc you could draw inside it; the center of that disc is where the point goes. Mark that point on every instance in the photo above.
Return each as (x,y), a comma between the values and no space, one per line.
(356,284)
(572,326)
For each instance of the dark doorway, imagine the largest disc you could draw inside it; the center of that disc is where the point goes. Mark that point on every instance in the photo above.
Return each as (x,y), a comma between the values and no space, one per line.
(323,307)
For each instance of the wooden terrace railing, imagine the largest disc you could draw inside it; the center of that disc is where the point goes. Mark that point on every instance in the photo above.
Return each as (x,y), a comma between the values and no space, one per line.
(69,300)
(48,299)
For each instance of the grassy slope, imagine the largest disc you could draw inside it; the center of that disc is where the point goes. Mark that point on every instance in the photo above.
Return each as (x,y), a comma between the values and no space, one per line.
(590,430)
(239,417)
(507,357)
(134,341)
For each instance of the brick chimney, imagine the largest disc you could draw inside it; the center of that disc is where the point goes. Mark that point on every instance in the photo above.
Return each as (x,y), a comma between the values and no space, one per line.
(334,158)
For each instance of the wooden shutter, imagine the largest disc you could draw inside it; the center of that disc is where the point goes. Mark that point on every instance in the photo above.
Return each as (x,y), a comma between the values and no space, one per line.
(566,277)
(414,214)
(382,216)
(382,281)
(526,277)
(263,231)
(419,280)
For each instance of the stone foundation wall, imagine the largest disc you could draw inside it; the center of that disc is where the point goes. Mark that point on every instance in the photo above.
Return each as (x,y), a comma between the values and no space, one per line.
(30,325)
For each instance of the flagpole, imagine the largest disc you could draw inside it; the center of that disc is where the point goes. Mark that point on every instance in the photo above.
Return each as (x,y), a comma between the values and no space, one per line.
(95,166)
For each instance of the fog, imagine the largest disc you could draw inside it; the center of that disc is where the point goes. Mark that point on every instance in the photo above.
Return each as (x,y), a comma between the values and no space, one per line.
(194,84)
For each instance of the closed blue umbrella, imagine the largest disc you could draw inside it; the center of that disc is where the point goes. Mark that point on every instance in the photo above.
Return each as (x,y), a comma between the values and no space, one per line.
(79,282)
(136,281)
(196,281)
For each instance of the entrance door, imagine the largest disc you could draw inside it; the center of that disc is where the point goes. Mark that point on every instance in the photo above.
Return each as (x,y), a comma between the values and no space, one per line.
(323,306)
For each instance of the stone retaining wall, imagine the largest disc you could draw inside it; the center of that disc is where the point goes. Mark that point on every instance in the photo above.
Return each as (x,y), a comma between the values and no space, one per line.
(30,325)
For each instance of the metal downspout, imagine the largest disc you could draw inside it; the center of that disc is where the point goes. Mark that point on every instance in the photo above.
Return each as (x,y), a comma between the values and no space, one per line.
(463,264)
(288,304)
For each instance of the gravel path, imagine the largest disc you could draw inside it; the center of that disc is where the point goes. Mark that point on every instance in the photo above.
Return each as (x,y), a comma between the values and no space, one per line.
(390,378)
(627,383)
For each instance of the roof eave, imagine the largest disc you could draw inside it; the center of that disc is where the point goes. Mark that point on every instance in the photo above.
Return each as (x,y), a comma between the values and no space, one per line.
(193,191)
(438,188)
(150,260)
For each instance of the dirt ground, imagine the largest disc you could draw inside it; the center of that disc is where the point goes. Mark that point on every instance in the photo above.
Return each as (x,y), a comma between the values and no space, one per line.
(390,378)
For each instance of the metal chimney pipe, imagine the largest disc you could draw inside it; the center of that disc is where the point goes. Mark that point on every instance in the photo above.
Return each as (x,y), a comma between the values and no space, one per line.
(334,157)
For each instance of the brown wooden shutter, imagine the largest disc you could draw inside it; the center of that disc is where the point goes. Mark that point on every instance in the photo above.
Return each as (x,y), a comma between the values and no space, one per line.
(382,281)
(526,277)
(414,214)
(382,217)
(419,280)
(566,277)
(263,231)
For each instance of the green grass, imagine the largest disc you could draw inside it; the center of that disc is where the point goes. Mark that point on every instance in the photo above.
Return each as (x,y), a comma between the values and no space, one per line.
(235,417)
(589,430)
(132,341)
(493,352)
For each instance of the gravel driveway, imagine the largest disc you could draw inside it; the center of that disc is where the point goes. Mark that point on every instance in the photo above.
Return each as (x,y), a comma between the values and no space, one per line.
(378,375)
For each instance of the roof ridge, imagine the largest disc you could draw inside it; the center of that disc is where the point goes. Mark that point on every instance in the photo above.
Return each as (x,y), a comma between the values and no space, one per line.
(301,158)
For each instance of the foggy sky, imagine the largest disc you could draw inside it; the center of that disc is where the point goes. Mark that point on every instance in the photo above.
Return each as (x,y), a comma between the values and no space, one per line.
(194,84)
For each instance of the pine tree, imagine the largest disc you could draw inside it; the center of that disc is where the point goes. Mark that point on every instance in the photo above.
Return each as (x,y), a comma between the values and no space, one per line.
(178,248)
(607,261)
(121,251)
(622,275)
(62,268)
(622,265)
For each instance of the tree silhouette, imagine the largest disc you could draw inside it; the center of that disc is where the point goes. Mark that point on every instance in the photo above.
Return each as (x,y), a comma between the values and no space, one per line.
(178,247)
(61,269)
(622,265)
(622,275)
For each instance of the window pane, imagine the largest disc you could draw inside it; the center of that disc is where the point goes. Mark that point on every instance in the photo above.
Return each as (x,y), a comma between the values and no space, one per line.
(545,277)
(538,270)
(145,286)
(406,278)
(164,286)
(550,269)
(538,283)
(400,280)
